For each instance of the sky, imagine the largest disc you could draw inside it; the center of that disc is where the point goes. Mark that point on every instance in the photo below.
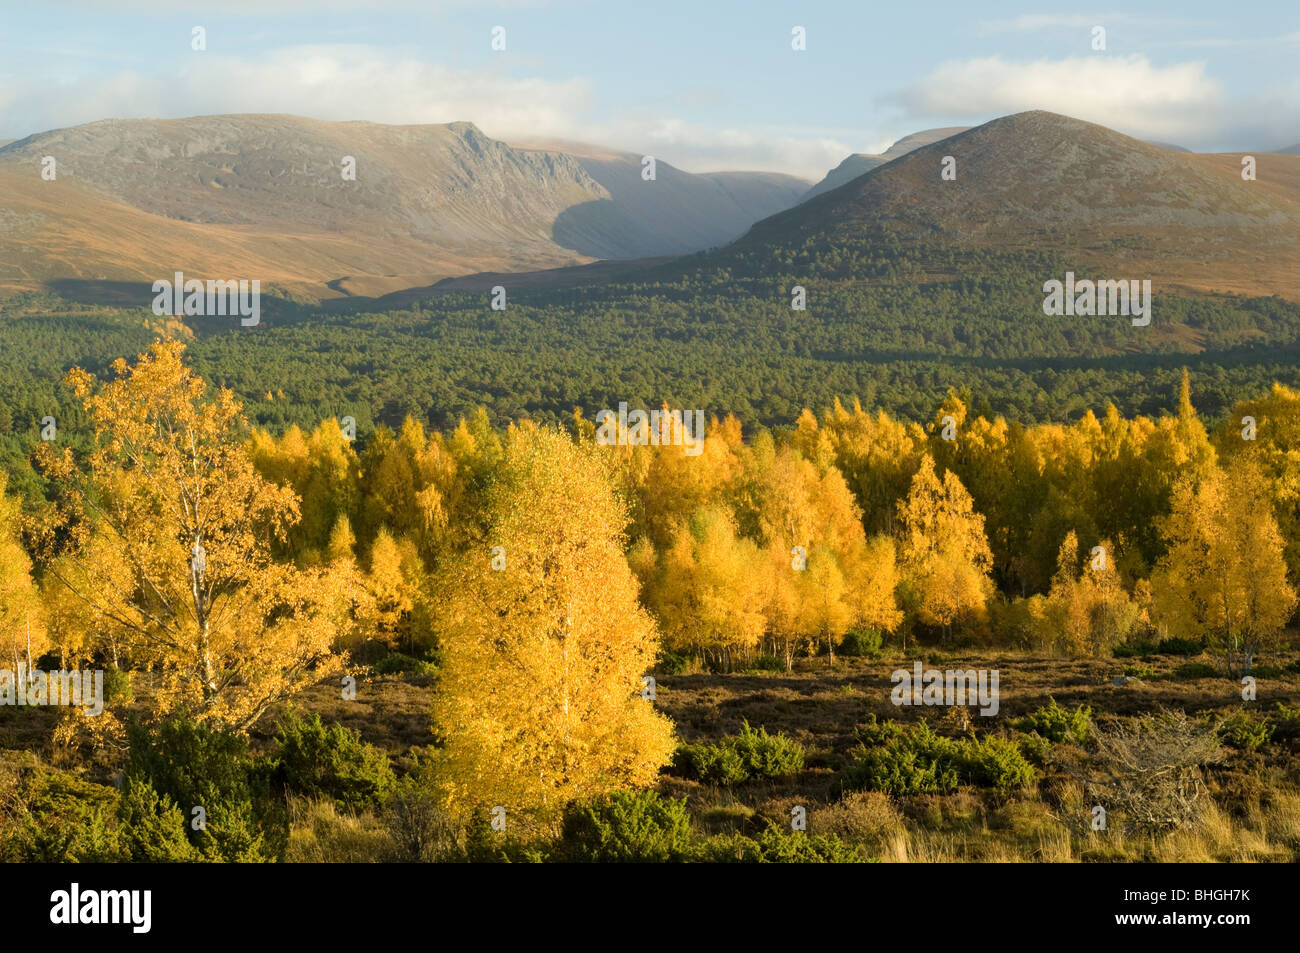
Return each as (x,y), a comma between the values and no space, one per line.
(704,86)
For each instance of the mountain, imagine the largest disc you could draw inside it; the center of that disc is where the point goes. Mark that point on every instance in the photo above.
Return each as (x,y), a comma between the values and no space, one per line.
(1289,150)
(1045,182)
(860,163)
(264,195)
(677,213)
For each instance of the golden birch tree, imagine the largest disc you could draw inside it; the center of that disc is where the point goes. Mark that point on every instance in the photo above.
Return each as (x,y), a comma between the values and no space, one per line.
(179,563)
(543,642)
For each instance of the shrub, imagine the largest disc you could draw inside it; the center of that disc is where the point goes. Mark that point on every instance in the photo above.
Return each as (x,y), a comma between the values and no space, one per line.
(189,764)
(1178,645)
(1139,671)
(1195,670)
(420,828)
(1147,770)
(1245,731)
(919,761)
(767,663)
(909,762)
(993,762)
(332,762)
(1035,748)
(627,826)
(395,663)
(865,818)
(777,846)
(483,845)
(1134,648)
(670,663)
(153,827)
(767,756)
(712,764)
(863,643)
(1267,671)
(50,816)
(1286,722)
(117,686)
(738,758)
(1058,724)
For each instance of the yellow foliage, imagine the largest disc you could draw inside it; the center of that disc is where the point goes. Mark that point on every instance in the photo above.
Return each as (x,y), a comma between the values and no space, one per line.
(539,699)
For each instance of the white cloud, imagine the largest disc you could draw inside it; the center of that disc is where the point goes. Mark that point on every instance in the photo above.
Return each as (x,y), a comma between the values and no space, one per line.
(347,82)
(1125,93)
(699,147)
(323,82)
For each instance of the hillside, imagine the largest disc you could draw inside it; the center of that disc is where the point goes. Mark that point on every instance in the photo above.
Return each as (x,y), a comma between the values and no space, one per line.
(679,212)
(1048,183)
(265,195)
(859,163)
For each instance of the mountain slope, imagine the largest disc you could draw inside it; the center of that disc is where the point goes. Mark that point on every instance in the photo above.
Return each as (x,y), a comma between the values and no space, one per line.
(261,195)
(676,213)
(1041,181)
(859,163)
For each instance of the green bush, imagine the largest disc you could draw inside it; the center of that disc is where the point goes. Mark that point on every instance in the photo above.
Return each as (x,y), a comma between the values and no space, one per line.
(627,826)
(993,762)
(738,758)
(395,663)
(1035,748)
(189,764)
(862,643)
(1178,645)
(908,762)
(712,764)
(318,761)
(1139,671)
(778,846)
(51,816)
(1191,670)
(1135,648)
(117,686)
(483,845)
(670,663)
(919,761)
(1267,671)
(767,756)
(767,663)
(1057,724)
(1286,722)
(1245,731)
(153,828)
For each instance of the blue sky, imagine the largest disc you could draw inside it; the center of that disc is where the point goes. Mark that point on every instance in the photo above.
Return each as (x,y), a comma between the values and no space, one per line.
(703,85)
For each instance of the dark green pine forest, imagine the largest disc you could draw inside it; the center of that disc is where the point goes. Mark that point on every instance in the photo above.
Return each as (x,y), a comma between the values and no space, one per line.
(890,324)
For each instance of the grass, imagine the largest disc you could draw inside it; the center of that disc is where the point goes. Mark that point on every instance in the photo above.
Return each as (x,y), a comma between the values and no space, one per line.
(1251,811)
